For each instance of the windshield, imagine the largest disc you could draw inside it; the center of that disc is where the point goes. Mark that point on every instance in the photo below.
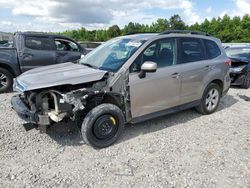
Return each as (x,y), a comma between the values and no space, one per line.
(243,53)
(112,54)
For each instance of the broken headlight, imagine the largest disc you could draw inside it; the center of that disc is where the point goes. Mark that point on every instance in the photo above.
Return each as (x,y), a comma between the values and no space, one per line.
(18,86)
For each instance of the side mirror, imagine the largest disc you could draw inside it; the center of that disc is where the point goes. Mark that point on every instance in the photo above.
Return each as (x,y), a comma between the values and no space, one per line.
(147,66)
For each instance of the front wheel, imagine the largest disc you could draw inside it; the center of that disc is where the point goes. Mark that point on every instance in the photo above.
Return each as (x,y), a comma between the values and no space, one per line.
(103,125)
(210,99)
(246,82)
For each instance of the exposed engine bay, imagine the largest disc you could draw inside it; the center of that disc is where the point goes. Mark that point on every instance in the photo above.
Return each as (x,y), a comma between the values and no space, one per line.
(60,103)
(52,105)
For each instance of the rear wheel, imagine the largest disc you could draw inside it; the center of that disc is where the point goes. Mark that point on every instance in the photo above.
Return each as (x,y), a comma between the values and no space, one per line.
(210,100)
(6,80)
(246,82)
(103,125)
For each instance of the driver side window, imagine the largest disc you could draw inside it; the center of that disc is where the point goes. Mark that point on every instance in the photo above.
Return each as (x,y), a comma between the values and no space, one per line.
(65,45)
(162,52)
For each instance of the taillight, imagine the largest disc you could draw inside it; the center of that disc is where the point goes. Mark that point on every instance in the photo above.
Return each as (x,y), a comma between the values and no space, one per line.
(228,62)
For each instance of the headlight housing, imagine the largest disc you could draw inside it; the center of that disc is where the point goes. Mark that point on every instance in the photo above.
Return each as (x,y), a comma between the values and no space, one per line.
(18,86)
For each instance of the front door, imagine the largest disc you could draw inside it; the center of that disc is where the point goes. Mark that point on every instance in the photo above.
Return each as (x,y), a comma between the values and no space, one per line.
(66,50)
(37,52)
(160,90)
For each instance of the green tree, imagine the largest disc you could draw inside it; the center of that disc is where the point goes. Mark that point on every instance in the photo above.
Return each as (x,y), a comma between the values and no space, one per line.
(227,29)
(176,23)
(114,31)
(160,25)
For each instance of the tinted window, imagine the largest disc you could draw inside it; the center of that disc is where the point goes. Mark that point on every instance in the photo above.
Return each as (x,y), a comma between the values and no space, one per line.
(38,43)
(212,49)
(191,50)
(161,52)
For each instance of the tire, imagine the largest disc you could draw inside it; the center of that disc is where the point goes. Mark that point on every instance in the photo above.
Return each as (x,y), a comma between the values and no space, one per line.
(246,82)
(103,125)
(210,99)
(6,80)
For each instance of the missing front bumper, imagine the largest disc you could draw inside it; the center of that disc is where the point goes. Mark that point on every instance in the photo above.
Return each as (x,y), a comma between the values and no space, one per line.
(27,115)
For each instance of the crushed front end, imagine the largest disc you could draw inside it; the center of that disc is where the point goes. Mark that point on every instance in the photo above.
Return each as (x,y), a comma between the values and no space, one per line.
(47,106)
(23,110)
(238,71)
(41,108)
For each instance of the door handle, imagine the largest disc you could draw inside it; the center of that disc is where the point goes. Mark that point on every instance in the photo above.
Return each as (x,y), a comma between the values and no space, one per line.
(27,56)
(175,75)
(208,67)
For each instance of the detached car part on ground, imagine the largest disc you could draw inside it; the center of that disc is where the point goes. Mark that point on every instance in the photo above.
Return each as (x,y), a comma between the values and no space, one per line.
(240,68)
(128,79)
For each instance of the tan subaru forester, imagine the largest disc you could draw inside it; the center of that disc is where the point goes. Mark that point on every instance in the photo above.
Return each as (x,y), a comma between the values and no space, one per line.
(128,79)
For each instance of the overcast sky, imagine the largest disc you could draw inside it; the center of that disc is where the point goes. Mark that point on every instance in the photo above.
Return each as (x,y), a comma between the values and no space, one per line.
(60,15)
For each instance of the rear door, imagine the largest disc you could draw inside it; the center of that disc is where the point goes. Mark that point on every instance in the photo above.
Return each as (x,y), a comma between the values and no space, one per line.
(67,50)
(160,90)
(194,68)
(37,51)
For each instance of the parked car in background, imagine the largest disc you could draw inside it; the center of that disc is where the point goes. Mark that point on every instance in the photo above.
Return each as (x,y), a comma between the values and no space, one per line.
(4,44)
(32,50)
(131,78)
(240,68)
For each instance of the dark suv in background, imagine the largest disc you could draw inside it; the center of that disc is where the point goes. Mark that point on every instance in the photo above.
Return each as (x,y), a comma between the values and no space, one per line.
(131,78)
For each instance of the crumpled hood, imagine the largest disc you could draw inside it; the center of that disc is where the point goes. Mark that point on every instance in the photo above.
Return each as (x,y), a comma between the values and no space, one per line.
(239,62)
(56,75)
(239,59)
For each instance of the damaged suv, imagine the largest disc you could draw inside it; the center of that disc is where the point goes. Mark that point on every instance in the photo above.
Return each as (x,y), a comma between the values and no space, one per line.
(240,68)
(128,79)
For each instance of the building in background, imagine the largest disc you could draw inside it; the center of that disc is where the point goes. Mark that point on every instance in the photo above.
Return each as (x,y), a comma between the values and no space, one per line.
(6,36)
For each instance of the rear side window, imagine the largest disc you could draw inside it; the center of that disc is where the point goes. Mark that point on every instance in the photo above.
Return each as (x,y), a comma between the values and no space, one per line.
(212,49)
(37,43)
(191,50)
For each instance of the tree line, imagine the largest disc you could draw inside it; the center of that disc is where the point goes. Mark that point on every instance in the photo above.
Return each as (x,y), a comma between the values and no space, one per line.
(236,29)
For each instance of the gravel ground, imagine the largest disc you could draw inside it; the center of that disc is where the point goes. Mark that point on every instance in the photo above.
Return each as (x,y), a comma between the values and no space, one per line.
(180,150)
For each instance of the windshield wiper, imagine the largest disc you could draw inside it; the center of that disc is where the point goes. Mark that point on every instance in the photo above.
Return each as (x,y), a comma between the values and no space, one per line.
(89,65)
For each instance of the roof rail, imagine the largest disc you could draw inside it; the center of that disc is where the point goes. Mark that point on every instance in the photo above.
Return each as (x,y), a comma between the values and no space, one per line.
(133,33)
(184,31)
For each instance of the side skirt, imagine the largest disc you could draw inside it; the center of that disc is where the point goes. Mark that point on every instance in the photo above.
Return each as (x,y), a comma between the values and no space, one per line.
(165,112)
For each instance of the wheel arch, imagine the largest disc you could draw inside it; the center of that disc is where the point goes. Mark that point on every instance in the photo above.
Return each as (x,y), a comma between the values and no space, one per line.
(219,83)
(8,68)
(106,97)
(113,98)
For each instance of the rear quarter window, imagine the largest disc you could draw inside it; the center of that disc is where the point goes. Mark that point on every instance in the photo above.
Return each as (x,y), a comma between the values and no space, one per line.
(212,49)
(37,43)
(192,50)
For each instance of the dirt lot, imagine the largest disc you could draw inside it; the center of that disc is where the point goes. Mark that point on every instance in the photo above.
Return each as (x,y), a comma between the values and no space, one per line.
(180,150)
